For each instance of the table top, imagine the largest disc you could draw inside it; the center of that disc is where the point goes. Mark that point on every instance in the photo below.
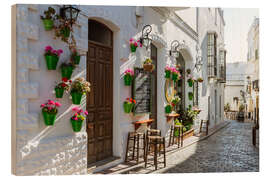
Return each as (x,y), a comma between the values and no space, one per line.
(173,115)
(143,121)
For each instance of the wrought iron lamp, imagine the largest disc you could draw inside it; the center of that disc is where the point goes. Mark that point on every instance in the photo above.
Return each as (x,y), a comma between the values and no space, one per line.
(145,40)
(199,62)
(174,49)
(69,13)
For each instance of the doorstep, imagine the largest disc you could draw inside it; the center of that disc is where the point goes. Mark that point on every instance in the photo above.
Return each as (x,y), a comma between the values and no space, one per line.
(103,164)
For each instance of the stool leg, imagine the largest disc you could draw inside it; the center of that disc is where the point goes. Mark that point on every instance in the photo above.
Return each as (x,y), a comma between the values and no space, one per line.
(182,136)
(134,143)
(200,127)
(127,147)
(144,144)
(206,128)
(138,147)
(179,136)
(146,154)
(155,154)
(164,151)
(170,136)
(173,136)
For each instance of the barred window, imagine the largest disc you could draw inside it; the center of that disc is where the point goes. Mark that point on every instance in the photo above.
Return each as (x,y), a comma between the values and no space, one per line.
(222,65)
(212,54)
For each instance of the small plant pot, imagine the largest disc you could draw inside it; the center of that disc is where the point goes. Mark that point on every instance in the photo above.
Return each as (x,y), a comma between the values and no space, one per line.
(148,67)
(167,74)
(59,92)
(76,125)
(48,24)
(48,118)
(133,48)
(65,32)
(190,83)
(51,62)
(67,71)
(76,59)
(76,97)
(174,77)
(168,109)
(190,96)
(128,107)
(128,80)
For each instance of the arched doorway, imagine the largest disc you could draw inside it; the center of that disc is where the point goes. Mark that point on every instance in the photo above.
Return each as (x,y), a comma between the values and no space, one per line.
(100,101)
(180,88)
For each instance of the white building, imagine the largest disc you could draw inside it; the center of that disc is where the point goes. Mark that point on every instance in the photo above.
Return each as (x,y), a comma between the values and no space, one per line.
(103,33)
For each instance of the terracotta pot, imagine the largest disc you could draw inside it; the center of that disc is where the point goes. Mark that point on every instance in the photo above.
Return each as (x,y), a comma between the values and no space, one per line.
(148,67)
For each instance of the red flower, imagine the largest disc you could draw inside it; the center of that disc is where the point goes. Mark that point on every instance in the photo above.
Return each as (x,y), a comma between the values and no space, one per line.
(134,101)
(173,104)
(63,85)
(70,81)
(65,79)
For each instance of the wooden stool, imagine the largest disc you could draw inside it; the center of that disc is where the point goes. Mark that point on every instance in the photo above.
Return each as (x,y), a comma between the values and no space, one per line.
(151,132)
(179,137)
(206,123)
(156,141)
(135,137)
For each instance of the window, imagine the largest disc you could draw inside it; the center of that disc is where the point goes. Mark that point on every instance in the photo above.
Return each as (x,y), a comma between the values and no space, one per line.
(212,54)
(222,65)
(196,94)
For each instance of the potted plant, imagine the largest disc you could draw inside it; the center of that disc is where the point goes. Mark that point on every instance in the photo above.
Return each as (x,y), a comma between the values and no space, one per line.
(61,87)
(168,71)
(175,74)
(148,66)
(200,79)
(67,69)
(77,119)
(168,108)
(75,57)
(175,101)
(63,29)
(188,71)
(49,112)
(52,57)
(133,44)
(48,20)
(129,104)
(79,87)
(190,80)
(176,131)
(190,96)
(129,73)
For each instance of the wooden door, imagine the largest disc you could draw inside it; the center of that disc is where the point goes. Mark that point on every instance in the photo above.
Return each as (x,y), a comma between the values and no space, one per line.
(100,101)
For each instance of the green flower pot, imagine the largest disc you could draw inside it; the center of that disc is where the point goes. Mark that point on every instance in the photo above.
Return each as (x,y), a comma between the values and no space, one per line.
(67,71)
(65,32)
(128,80)
(168,109)
(128,107)
(59,92)
(48,24)
(51,62)
(48,118)
(76,97)
(190,83)
(190,97)
(174,77)
(133,48)
(167,74)
(76,125)
(76,59)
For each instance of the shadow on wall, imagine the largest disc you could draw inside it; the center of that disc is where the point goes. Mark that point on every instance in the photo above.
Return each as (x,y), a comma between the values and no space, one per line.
(204,67)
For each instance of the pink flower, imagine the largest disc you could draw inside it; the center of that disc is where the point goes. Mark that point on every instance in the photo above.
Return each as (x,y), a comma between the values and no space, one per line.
(131,39)
(86,112)
(49,108)
(140,44)
(80,111)
(42,105)
(60,51)
(50,102)
(135,44)
(48,48)
(54,51)
(76,118)
(57,104)
(75,109)
(138,40)
(76,114)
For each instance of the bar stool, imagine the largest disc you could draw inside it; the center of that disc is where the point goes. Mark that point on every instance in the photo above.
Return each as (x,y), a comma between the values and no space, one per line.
(156,141)
(179,137)
(136,137)
(206,123)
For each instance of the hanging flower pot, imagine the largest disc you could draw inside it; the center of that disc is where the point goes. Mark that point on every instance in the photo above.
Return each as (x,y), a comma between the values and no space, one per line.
(128,105)
(48,118)
(49,112)
(67,70)
(128,77)
(76,97)
(190,96)
(48,24)
(76,125)
(61,87)
(77,119)
(51,61)
(190,83)
(59,92)
(133,44)
(174,77)
(48,18)
(76,59)
(65,31)
(133,48)
(167,74)
(168,109)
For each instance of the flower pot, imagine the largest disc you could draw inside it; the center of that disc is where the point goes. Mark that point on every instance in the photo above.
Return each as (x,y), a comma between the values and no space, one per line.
(51,62)
(133,48)
(168,109)
(48,24)
(76,59)
(65,32)
(174,77)
(190,83)
(128,107)
(190,97)
(76,97)
(128,80)
(76,125)
(48,118)
(167,74)
(148,67)
(59,92)
(66,71)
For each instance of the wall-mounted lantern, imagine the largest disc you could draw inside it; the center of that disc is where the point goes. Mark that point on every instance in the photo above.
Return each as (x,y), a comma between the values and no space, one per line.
(145,40)
(174,49)
(199,62)
(69,13)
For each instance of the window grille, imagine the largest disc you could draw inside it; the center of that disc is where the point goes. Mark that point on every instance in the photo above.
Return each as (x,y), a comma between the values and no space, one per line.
(212,55)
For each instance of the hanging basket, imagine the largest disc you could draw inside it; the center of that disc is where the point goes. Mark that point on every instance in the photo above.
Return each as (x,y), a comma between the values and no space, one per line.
(190,96)
(174,77)
(133,48)
(65,32)
(76,59)
(76,97)
(67,71)
(128,107)
(48,24)
(48,118)
(51,62)
(168,109)
(76,125)
(190,83)
(128,80)
(167,74)
(59,92)
(148,67)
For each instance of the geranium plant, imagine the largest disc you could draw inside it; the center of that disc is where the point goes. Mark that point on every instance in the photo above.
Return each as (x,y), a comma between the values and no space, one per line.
(168,108)
(75,56)
(49,111)
(190,80)
(134,44)
(79,87)
(129,73)
(48,18)
(67,69)
(129,104)
(175,74)
(168,71)
(52,57)
(77,119)
(175,100)
(148,66)
(190,96)
(64,85)
(200,79)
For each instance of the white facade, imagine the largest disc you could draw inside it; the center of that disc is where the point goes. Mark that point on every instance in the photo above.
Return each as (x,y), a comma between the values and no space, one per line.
(56,150)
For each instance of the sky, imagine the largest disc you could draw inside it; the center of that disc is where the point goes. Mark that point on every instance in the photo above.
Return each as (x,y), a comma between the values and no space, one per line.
(238,22)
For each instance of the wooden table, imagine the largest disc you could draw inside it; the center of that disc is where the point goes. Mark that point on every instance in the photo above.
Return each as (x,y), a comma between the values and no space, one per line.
(172,116)
(137,124)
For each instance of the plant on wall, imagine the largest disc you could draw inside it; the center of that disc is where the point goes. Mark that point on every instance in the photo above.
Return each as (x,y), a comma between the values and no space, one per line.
(188,71)
(148,66)
(129,73)
(63,29)
(77,119)
(175,74)
(64,85)
(128,104)
(168,108)
(52,57)
(49,112)
(75,56)
(190,80)
(67,69)
(168,71)
(133,44)
(48,18)
(190,95)
(200,79)
(79,87)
